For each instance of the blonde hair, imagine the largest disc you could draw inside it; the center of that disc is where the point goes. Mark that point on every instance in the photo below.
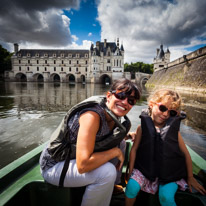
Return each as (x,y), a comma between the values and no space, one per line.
(164,95)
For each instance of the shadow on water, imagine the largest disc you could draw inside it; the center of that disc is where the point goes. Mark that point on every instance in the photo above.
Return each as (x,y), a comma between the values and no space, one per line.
(30,112)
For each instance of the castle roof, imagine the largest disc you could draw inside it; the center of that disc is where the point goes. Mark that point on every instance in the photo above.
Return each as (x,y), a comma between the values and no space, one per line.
(52,52)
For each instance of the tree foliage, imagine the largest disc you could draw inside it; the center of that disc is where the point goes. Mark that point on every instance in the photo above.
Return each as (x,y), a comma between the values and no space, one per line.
(138,67)
(5,59)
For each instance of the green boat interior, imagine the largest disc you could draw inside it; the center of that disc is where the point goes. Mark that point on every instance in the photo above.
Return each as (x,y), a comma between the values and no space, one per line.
(21,183)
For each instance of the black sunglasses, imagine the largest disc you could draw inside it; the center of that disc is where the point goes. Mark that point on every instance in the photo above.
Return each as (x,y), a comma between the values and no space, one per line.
(123,95)
(163,108)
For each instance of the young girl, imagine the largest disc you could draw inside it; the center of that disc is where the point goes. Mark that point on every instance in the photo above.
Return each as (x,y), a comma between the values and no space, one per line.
(159,158)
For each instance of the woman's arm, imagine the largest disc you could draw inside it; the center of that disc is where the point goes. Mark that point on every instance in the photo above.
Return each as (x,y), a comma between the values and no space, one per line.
(134,149)
(86,158)
(192,182)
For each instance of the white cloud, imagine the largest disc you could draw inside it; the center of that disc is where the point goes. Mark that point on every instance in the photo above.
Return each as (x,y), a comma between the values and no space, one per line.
(35,22)
(145,24)
(74,37)
(90,34)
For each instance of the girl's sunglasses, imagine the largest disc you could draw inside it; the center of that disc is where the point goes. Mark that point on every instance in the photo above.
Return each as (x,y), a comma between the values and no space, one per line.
(123,95)
(163,108)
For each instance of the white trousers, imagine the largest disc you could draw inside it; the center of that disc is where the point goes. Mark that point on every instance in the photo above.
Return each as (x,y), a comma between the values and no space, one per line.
(99,182)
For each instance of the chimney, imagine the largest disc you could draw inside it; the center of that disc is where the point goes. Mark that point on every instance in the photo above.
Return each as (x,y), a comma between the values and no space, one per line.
(16,48)
(105,43)
(97,45)
(158,51)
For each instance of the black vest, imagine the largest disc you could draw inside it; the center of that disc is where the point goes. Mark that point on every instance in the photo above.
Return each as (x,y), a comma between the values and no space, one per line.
(60,143)
(158,154)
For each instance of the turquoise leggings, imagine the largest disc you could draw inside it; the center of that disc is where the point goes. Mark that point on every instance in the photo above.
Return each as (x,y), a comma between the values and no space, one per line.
(166,192)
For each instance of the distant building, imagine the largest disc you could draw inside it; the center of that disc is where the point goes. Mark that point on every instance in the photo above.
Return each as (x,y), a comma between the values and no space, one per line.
(103,63)
(162,58)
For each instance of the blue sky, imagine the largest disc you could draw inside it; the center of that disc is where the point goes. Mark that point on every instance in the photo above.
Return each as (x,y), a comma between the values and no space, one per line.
(140,25)
(84,23)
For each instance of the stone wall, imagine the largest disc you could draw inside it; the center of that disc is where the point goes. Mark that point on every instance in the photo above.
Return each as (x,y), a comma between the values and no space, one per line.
(187,73)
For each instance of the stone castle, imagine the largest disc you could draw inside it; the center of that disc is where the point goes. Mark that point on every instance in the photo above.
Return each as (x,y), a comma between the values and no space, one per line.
(162,58)
(103,63)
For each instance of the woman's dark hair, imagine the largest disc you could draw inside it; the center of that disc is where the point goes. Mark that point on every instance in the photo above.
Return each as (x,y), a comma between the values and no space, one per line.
(128,86)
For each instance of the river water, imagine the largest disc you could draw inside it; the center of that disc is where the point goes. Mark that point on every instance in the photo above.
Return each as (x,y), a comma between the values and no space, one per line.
(30,112)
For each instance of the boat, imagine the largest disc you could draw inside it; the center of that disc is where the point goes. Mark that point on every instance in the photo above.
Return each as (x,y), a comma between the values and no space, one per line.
(22,184)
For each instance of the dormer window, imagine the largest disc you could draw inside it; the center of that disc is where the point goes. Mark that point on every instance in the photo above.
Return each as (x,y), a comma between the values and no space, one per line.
(19,54)
(77,55)
(94,53)
(86,55)
(37,55)
(54,55)
(28,55)
(62,55)
(70,55)
(45,55)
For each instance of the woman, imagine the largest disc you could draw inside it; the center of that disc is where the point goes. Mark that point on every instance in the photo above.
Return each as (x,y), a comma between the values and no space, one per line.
(90,126)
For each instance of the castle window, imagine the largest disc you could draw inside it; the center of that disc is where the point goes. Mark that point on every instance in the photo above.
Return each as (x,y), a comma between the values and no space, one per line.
(62,61)
(86,55)
(77,62)
(37,68)
(70,61)
(117,62)
(45,61)
(19,61)
(37,61)
(45,69)
(19,55)
(62,55)
(45,55)
(54,55)
(86,69)
(108,60)
(76,69)
(28,55)
(19,68)
(54,69)
(27,68)
(86,62)
(37,55)
(62,69)
(54,61)
(28,61)
(70,69)
(114,62)
(77,55)
(70,55)
(108,54)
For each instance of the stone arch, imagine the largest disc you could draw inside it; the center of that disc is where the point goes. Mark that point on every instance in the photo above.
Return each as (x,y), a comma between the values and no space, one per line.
(105,79)
(21,77)
(55,77)
(70,78)
(38,77)
(143,81)
(83,78)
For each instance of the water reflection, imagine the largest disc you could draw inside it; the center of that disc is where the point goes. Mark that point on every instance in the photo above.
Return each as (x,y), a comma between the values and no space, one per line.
(30,112)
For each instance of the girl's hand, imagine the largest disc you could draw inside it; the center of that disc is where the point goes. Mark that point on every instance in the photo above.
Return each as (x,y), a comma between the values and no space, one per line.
(131,135)
(192,182)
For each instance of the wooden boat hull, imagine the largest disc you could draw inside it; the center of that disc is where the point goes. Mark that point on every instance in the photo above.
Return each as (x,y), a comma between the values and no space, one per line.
(21,183)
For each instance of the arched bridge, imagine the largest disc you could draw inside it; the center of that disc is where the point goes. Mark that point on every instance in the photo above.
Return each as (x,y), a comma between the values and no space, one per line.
(141,79)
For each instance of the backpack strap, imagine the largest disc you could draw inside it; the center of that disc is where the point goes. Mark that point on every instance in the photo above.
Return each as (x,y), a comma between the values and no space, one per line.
(65,168)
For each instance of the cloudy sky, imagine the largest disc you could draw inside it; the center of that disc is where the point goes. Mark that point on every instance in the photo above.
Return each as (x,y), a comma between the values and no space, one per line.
(141,25)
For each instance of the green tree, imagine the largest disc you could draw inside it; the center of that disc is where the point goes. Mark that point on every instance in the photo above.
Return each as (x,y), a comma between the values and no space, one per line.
(5,60)
(138,67)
